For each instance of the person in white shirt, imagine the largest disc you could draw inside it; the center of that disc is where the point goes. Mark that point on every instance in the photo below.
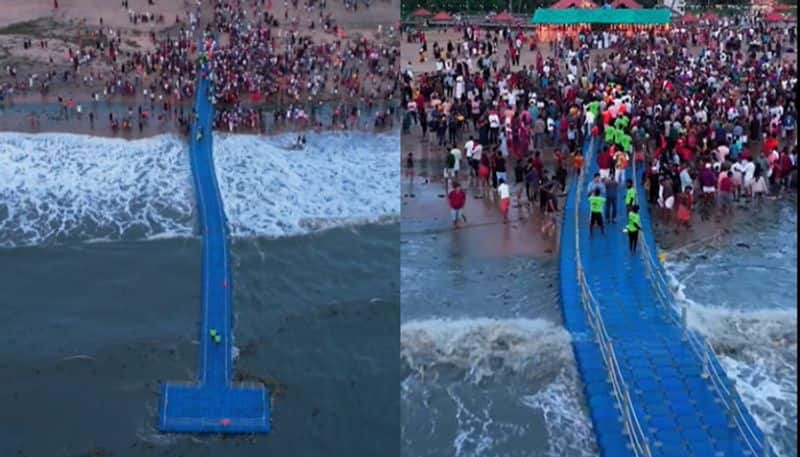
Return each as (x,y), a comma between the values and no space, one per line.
(457,160)
(749,174)
(505,198)
(469,147)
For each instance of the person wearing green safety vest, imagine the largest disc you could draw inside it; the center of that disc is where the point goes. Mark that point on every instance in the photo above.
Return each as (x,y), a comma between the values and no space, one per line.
(630,195)
(596,204)
(633,228)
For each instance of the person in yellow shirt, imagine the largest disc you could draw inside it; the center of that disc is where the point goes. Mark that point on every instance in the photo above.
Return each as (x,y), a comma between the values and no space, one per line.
(630,195)
(596,204)
(633,227)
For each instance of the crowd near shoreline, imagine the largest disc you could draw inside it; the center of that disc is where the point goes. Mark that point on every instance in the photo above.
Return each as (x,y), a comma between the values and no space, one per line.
(708,113)
(292,64)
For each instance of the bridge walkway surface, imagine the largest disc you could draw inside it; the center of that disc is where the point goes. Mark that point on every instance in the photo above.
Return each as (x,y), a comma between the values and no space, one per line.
(212,405)
(653,386)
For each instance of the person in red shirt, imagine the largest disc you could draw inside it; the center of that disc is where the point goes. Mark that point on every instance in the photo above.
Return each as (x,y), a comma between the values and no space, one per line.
(577,162)
(537,163)
(770,144)
(785,166)
(604,163)
(726,193)
(457,199)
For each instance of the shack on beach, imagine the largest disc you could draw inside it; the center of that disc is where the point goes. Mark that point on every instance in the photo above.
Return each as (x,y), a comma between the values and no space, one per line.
(559,23)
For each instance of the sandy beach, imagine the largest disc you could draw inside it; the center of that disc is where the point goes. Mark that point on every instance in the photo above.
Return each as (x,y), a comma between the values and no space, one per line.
(54,34)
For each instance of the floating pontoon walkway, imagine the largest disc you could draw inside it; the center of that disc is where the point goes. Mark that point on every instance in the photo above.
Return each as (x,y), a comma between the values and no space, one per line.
(653,387)
(212,405)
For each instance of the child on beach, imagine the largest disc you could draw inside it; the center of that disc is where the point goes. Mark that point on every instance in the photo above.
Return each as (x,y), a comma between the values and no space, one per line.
(456,199)
(505,198)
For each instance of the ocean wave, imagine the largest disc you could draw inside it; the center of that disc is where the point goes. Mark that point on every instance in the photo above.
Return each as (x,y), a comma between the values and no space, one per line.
(470,385)
(338,179)
(482,349)
(58,188)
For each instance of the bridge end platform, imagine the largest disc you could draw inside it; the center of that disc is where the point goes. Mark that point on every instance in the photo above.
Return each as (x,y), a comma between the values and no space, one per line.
(193,408)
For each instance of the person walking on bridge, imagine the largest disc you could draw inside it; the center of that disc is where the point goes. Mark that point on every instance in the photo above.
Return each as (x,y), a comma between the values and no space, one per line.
(596,184)
(596,204)
(633,227)
(630,195)
(610,210)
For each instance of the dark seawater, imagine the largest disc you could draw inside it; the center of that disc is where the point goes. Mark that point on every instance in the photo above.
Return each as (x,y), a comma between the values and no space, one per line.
(740,290)
(91,329)
(487,365)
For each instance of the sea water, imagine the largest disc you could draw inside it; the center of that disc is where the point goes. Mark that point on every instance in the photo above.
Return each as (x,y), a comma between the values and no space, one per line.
(740,290)
(100,271)
(487,365)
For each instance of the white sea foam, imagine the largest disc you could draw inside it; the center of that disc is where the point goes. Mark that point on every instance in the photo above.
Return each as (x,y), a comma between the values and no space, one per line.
(560,404)
(758,349)
(338,179)
(482,348)
(57,188)
(492,371)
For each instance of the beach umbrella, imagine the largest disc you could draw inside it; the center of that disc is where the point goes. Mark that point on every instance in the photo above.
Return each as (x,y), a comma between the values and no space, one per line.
(775,17)
(422,12)
(504,17)
(711,16)
(442,16)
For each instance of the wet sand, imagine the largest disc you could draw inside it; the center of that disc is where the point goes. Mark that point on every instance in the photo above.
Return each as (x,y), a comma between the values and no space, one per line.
(484,232)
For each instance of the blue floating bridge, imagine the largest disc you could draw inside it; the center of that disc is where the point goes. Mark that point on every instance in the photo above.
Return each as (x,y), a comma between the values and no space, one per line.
(653,386)
(212,405)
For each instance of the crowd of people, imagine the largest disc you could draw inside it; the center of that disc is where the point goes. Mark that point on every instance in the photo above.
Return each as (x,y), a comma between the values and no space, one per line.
(711,110)
(262,62)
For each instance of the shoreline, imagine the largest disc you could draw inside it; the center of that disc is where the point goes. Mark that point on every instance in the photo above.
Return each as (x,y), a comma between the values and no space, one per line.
(54,118)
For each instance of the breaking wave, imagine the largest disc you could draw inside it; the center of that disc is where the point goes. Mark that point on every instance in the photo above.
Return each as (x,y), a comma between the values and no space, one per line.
(59,188)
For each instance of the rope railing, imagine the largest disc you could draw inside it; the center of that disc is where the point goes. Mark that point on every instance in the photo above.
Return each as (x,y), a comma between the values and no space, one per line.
(632,426)
(699,345)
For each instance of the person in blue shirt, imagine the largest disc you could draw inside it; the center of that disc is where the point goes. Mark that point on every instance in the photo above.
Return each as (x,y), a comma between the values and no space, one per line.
(596,184)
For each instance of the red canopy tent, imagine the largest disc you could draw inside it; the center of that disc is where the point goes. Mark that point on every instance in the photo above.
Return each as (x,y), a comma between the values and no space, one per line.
(781,8)
(442,16)
(775,17)
(504,17)
(689,19)
(422,12)
(711,16)
(565,4)
(629,4)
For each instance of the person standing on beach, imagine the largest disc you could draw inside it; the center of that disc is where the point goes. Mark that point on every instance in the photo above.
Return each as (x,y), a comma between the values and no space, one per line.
(410,168)
(596,204)
(456,199)
(505,198)
(633,227)
(449,170)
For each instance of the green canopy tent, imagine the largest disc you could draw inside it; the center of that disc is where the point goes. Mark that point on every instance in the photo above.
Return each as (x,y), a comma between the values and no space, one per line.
(549,16)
